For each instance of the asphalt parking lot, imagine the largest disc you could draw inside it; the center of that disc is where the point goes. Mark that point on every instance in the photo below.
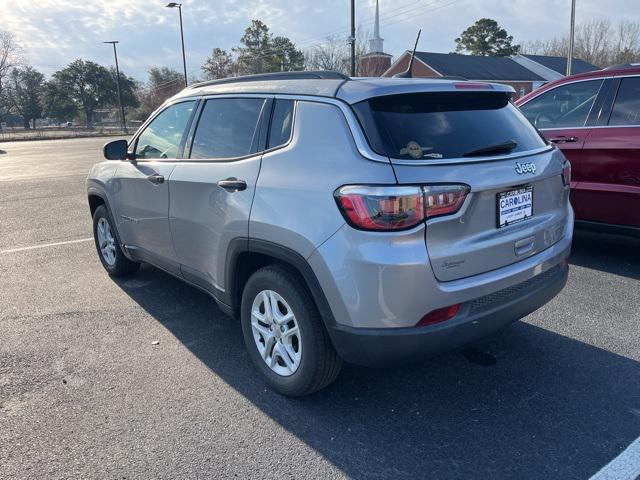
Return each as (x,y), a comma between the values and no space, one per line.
(84,393)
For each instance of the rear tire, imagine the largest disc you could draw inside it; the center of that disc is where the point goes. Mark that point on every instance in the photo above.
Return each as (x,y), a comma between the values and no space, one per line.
(292,351)
(109,251)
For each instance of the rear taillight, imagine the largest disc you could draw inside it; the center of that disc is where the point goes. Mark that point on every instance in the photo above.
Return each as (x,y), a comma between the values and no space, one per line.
(386,208)
(381,208)
(566,173)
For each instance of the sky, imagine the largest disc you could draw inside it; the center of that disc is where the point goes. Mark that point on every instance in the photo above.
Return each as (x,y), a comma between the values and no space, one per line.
(53,33)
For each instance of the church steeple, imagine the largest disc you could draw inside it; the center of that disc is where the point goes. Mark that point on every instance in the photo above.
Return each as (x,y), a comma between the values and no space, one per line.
(375,43)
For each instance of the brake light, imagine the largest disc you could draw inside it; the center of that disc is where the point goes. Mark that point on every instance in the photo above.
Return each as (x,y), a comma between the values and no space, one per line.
(566,173)
(472,86)
(439,315)
(387,208)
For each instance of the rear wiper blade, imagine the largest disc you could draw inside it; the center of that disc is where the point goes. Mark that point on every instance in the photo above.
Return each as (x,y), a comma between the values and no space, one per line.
(495,149)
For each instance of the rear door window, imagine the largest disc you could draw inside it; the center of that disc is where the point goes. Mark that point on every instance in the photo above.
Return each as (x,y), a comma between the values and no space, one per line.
(228,128)
(626,109)
(432,126)
(565,106)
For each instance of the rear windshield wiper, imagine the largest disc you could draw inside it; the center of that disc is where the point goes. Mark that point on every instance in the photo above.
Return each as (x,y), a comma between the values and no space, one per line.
(495,149)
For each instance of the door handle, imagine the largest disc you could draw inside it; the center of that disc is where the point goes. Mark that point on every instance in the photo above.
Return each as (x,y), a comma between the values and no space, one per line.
(232,184)
(156,178)
(563,139)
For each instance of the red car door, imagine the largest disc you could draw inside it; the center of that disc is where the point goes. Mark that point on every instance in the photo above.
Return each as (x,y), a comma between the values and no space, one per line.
(561,114)
(571,141)
(609,167)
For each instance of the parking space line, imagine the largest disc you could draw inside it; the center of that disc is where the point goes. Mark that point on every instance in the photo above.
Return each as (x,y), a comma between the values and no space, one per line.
(45,245)
(625,466)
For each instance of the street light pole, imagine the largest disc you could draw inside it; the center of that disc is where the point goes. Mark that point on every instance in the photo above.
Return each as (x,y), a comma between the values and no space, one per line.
(353,38)
(115,54)
(184,58)
(571,36)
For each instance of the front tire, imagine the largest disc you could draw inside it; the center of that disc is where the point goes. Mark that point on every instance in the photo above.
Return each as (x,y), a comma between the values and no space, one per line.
(284,333)
(109,251)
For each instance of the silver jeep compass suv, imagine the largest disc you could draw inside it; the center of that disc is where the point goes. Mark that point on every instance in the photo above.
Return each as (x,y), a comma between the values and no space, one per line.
(370,220)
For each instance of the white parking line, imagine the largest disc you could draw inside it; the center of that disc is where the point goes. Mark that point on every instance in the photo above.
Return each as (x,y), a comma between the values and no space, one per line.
(625,466)
(45,245)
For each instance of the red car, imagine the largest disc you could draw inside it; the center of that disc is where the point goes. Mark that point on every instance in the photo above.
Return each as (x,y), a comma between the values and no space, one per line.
(594,118)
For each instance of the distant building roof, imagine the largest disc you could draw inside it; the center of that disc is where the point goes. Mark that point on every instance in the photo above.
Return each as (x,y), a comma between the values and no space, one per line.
(476,67)
(559,64)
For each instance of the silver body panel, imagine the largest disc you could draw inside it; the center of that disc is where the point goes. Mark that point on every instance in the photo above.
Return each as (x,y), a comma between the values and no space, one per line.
(294,204)
(141,208)
(468,242)
(377,280)
(205,218)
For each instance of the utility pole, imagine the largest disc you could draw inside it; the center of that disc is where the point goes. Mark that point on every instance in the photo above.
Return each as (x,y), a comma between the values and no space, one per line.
(115,54)
(571,35)
(352,39)
(184,58)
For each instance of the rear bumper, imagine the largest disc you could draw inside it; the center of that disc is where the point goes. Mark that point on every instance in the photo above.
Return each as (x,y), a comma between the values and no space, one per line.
(476,319)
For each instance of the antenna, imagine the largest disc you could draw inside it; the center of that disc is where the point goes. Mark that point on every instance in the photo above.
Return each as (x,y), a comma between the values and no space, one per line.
(407,72)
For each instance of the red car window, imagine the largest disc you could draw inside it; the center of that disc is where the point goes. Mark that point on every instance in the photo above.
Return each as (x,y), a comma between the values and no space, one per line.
(626,110)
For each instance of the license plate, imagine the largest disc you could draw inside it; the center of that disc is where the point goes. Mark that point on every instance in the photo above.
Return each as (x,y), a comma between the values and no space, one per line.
(515,206)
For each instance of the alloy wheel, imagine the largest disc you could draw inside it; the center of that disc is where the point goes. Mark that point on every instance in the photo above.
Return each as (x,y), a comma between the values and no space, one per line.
(106,242)
(276,333)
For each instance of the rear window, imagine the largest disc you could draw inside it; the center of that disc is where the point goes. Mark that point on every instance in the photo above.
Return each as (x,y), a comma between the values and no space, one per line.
(432,126)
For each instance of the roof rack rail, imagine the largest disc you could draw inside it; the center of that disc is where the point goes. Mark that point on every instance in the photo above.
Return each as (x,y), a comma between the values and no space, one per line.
(622,66)
(261,77)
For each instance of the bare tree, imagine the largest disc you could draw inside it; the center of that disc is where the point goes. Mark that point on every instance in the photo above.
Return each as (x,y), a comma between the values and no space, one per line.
(592,42)
(335,54)
(10,58)
(627,47)
(596,42)
(555,47)
(332,54)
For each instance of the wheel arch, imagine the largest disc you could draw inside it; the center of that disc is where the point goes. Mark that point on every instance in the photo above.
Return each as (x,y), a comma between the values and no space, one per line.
(95,200)
(246,256)
(97,197)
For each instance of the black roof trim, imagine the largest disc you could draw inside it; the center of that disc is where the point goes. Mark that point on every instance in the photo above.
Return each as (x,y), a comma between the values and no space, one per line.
(263,77)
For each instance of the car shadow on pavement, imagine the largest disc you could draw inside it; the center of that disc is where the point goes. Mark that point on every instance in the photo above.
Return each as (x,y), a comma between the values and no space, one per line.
(549,407)
(615,254)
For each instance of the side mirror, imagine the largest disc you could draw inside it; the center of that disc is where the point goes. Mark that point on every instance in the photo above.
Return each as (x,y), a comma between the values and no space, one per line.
(116,150)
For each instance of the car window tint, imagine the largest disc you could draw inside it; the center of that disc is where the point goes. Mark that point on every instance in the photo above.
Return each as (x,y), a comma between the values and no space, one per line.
(162,137)
(433,126)
(281,123)
(565,106)
(626,109)
(226,128)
